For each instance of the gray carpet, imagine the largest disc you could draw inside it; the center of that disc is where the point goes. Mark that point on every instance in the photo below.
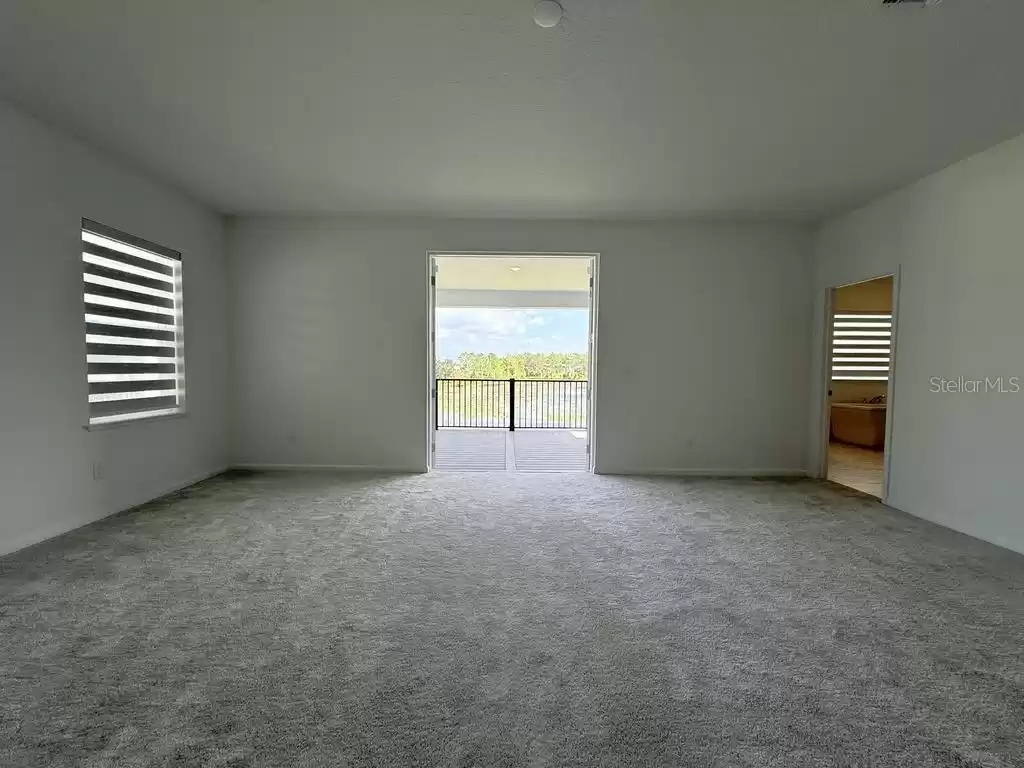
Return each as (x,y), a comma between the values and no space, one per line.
(511,620)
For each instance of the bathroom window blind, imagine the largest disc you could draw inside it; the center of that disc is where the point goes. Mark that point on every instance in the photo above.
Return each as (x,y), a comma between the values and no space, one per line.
(861,346)
(133,326)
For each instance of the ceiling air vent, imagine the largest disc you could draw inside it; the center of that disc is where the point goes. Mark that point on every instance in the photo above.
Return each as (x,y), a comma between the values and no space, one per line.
(919,3)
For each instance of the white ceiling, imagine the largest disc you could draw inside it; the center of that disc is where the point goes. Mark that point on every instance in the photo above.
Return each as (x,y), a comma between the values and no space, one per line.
(634,108)
(509,273)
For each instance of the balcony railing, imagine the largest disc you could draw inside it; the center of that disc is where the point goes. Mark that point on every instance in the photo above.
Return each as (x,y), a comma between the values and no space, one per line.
(511,404)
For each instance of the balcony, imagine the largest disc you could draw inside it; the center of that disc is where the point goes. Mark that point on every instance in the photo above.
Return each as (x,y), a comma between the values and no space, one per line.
(492,425)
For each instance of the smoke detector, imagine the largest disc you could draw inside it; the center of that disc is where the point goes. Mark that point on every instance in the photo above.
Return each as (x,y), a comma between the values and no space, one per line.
(547,14)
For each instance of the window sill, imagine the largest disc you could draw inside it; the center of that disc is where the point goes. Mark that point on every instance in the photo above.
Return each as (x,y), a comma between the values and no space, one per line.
(126,422)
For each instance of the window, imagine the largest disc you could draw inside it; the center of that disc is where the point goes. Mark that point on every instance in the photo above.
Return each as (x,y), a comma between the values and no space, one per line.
(133,328)
(861,346)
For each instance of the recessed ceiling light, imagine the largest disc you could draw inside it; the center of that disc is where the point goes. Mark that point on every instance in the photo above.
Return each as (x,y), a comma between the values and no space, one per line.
(547,14)
(515,269)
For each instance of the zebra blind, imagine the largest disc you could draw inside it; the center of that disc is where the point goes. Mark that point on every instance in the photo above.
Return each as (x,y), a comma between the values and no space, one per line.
(132,326)
(861,346)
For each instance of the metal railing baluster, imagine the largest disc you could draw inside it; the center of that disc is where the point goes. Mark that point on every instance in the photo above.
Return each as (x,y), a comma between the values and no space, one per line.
(511,403)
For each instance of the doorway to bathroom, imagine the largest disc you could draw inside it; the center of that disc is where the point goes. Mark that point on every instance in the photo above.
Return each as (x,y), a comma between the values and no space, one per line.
(861,349)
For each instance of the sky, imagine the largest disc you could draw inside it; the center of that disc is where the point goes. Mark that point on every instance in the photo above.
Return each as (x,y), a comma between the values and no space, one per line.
(507,331)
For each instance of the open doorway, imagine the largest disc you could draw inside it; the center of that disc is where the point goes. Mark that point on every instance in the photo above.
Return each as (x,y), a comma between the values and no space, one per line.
(861,352)
(512,359)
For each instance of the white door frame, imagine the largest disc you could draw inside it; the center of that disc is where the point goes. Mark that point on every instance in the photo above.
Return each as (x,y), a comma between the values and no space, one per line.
(826,379)
(594,259)
(431,356)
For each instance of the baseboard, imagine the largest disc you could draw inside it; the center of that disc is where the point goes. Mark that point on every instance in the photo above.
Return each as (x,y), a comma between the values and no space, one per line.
(174,488)
(353,468)
(995,539)
(661,472)
(59,529)
(45,534)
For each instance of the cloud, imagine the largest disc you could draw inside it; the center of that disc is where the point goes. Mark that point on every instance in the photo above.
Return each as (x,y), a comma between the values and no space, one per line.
(507,330)
(488,323)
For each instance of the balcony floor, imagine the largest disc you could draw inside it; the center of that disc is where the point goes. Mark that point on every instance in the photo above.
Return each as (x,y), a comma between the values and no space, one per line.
(498,450)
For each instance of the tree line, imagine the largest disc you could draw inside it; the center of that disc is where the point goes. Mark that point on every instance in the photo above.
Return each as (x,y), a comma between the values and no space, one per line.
(564,366)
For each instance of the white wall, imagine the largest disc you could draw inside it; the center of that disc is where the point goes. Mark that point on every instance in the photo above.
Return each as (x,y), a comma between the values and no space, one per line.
(48,182)
(957,237)
(704,332)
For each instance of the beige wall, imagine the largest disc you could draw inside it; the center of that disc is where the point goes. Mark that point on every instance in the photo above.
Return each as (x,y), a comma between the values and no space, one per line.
(869,296)
(857,391)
